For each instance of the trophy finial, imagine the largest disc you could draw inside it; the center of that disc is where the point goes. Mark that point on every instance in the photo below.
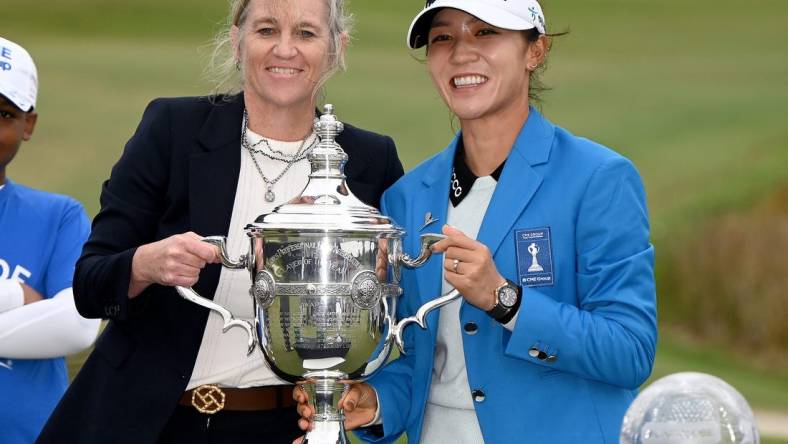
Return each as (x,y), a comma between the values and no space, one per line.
(327,126)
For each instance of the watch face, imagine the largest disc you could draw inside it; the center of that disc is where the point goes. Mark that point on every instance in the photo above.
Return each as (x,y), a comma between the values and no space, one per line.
(507,296)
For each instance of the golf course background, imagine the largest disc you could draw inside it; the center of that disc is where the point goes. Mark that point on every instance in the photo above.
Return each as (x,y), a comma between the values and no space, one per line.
(694,92)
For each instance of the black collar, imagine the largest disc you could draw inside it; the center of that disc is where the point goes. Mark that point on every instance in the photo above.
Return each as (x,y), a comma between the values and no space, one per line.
(462,178)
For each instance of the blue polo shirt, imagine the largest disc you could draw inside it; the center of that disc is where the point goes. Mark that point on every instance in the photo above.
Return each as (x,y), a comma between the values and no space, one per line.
(41,237)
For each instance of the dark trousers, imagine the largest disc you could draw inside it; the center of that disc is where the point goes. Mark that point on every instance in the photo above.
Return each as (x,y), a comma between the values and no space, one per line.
(188,426)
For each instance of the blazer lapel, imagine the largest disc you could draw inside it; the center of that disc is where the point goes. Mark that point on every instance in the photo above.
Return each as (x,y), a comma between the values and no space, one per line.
(214,168)
(432,199)
(519,180)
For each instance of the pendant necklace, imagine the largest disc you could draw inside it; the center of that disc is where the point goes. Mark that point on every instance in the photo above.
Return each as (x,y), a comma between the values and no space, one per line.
(289,160)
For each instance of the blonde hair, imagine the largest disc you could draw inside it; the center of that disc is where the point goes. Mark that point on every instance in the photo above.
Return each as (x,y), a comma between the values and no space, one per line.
(225,71)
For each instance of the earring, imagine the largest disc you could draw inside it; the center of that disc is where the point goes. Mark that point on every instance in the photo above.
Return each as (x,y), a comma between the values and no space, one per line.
(533,67)
(237,65)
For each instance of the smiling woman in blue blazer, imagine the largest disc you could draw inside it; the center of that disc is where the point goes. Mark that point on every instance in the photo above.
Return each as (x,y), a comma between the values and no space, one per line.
(547,241)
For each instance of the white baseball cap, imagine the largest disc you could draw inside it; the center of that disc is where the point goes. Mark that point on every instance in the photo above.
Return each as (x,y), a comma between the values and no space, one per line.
(18,75)
(517,15)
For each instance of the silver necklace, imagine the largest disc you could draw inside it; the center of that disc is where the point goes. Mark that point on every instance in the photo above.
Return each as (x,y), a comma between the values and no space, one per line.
(275,154)
(289,160)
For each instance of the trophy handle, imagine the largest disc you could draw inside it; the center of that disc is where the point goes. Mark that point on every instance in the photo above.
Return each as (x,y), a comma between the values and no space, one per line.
(221,243)
(420,317)
(229,321)
(427,241)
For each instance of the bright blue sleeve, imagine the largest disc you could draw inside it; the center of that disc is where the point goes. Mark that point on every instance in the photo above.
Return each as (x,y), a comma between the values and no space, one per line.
(610,336)
(393,382)
(70,235)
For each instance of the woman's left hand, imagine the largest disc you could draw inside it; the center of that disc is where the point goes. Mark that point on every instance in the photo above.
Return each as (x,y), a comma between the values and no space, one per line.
(469,267)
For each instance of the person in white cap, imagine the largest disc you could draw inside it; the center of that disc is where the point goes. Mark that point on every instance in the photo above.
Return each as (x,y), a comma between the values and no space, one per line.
(547,241)
(41,235)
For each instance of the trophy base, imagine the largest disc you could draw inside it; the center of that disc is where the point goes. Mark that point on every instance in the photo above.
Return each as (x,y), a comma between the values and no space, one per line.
(327,432)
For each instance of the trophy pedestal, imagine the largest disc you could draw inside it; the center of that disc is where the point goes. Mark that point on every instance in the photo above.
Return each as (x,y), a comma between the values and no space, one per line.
(328,423)
(327,433)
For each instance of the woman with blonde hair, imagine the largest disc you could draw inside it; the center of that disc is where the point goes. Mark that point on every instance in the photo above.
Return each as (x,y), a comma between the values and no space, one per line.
(162,371)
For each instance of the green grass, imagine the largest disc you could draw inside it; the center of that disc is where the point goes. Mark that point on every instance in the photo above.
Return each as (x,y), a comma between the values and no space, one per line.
(763,386)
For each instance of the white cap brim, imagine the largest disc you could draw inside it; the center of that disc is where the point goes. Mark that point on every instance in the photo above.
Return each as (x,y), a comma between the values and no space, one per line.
(486,12)
(10,93)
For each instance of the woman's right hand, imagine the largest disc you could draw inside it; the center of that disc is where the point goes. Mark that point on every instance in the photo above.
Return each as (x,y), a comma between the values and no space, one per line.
(176,260)
(359,404)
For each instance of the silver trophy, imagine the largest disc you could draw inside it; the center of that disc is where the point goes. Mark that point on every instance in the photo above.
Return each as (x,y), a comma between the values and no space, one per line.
(325,272)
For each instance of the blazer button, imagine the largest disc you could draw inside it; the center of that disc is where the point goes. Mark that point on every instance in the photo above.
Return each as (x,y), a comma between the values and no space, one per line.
(478,395)
(471,328)
(542,356)
(533,352)
(551,358)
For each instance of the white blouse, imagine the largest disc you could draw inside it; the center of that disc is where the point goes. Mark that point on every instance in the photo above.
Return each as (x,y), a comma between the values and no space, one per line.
(222,358)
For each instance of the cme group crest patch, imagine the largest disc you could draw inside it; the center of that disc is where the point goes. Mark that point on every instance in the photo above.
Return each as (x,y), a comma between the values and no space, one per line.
(534,257)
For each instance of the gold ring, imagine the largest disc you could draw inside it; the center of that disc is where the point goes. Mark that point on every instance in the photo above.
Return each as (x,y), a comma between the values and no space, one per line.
(455,264)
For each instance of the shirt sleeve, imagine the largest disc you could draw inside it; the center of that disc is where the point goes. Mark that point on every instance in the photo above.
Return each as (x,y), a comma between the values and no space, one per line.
(46,329)
(11,295)
(71,234)
(512,322)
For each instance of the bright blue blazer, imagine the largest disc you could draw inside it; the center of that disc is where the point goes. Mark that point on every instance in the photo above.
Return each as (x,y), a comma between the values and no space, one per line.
(582,345)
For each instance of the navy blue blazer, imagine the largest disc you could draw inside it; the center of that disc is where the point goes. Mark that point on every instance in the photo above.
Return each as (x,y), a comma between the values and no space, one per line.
(177,173)
(586,331)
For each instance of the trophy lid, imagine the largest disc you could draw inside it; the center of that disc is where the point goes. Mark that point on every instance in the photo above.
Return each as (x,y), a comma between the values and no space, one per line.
(326,204)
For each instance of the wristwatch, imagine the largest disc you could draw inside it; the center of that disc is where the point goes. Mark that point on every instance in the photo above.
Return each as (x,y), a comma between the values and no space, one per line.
(507,301)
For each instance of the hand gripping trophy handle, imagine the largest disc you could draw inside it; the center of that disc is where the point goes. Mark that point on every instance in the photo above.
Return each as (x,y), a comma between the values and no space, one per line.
(420,318)
(227,318)
(427,241)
